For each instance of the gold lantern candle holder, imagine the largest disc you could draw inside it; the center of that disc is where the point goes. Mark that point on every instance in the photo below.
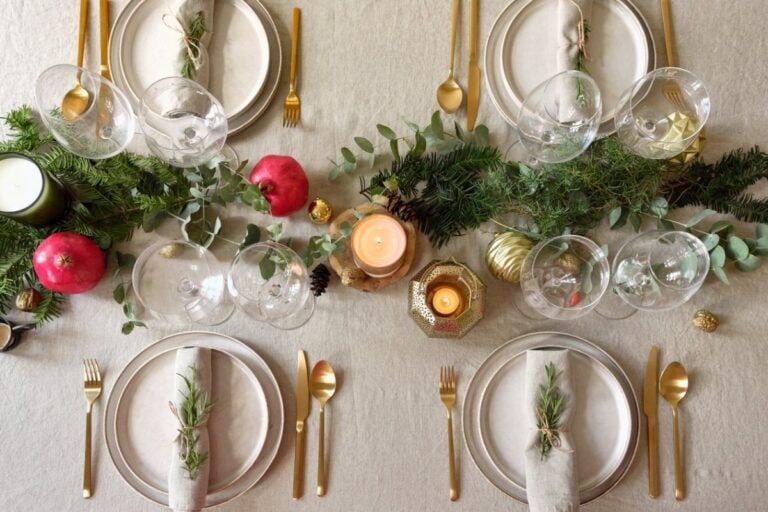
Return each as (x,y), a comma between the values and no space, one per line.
(446,299)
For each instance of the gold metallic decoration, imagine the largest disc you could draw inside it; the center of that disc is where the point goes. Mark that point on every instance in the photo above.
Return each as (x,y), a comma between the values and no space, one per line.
(292,104)
(693,151)
(170,251)
(681,128)
(302,411)
(92,385)
(322,385)
(569,262)
(447,385)
(446,274)
(320,211)
(673,386)
(705,320)
(28,299)
(505,254)
(650,409)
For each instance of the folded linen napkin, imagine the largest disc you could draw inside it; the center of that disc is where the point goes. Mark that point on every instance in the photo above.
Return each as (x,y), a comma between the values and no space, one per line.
(188,12)
(551,483)
(570,14)
(185,494)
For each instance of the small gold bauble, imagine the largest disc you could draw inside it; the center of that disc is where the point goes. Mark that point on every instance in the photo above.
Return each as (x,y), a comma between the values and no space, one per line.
(505,254)
(351,275)
(693,151)
(705,320)
(320,211)
(569,262)
(170,251)
(28,299)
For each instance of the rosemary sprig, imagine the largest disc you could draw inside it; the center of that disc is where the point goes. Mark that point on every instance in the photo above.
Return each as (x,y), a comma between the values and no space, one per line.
(195,409)
(581,63)
(548,411)
(191,49)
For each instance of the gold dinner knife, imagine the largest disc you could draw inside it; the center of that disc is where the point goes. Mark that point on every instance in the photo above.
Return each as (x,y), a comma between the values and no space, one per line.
(649,408)
(104,117)
(302,411)
(473,88)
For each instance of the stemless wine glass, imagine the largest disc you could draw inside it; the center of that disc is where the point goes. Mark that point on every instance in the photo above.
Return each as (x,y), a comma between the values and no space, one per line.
(563,278)
(269,282)
(180,282)
(559,119)
(660,270)
(102,130)
(662,113)
(183,124)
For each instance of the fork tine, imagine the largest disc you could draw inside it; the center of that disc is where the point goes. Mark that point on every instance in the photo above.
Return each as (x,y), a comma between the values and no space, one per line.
(91,376)
(85,372)
(96,370)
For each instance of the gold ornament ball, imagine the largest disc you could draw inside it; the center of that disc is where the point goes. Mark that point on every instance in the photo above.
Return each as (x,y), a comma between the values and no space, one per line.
(320,211)
(705,320)
(569,262)
(505,254)
(28,299)
(170,251)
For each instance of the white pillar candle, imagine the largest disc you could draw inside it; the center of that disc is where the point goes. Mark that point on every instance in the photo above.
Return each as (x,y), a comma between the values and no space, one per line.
(378,245)
(27,194)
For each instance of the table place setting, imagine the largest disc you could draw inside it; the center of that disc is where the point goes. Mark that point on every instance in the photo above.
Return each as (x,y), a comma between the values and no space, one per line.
(496,245)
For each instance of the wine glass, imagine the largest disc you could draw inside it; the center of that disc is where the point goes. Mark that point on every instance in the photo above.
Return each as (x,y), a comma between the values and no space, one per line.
(563,278)
(106,126)
(559,119)
(183,124)
(181,282)
(270,283)
(660,270)
(661,115)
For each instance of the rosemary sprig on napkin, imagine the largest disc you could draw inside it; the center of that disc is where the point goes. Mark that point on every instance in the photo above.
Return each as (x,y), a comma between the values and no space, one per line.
(191,50)
(548,411)
(195,409)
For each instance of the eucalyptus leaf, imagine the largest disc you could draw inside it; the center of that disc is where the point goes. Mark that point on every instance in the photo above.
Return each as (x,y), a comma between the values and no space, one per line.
(196,193)
(410,124)
(635,221)
(481,135)
(348,155)
(717,257)
(386,132)
(329,247)
(459,131)
(710,240)
(125,260)
(659,207)
(761,248)
(350,167)
(614,216)
(393,148)
(252,236)
(586,277)
(703,214)
(364,144)
(119,293)
(721,225)
(736,249)
(274,231)
(127,328)
(267,268)
(665,224)
(420,147)
(720,274)
(335,172)
(761,231)
(345,228)
(152,219)
(749,264)
(437,125)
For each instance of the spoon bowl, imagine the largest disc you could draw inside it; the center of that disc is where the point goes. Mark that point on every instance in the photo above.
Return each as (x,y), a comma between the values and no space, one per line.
(673,385)
(322,385)
(75,102)
(450,94)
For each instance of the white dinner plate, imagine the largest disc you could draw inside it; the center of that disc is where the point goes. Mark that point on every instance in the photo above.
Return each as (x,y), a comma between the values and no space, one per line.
(241,53)
(605,427)
(521,53)
(248,416)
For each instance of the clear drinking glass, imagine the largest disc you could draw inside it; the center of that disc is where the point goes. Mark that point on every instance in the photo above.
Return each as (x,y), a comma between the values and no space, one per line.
(180,282)
(183,124)
(102,130)
(660,270)
(270,283)
(563,278)
(661,115)
(559,119)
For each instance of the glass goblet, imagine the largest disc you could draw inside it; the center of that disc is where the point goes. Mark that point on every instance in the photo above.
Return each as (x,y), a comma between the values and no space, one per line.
(661,115)
(559,119)
(563,278)
(105,126)
(180,282)
(270,283)
(660,270)
(183,124)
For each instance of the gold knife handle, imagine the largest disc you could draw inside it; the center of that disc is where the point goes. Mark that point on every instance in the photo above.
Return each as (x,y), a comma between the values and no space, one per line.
(104,34)
(454,484)
(295,26)
(87,462)
(454,28)
(666,20)
(81,32)
(679,483)
(653,459)
(473,31)
(321,455)
(298,461)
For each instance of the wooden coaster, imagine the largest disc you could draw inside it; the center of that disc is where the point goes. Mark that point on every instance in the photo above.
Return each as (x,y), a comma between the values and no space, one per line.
(344,265)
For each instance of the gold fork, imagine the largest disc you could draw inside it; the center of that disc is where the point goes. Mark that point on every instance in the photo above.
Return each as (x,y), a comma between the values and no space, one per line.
(92,385)
(670,89)
(292,106)
(448,397)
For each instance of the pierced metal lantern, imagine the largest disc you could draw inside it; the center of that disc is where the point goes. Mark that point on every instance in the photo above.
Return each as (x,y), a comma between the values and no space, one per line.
(446,299)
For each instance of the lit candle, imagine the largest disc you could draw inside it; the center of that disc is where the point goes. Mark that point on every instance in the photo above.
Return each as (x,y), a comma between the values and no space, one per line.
(446,300)
(378,245)
(27,194)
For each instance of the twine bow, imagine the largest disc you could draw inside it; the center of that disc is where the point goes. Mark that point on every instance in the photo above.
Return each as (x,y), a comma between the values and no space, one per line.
(191,47)
(581,30)
(552,433)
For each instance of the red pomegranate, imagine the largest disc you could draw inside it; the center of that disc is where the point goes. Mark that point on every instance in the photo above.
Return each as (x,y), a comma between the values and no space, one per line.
(68,263)
(283,183)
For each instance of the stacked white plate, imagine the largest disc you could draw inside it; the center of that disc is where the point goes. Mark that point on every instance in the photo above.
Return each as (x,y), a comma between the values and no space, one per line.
(606,420)
(521,51)
(245,426)
(245,54)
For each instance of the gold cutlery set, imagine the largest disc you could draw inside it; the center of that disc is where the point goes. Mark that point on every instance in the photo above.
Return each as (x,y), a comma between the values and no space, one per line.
(92,386)
(672,385)
(321,384)
(447,386)
(449,93)
(292,105)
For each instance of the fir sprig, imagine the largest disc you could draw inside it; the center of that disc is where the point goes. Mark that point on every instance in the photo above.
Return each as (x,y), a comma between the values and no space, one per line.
(549,410)
(195,409)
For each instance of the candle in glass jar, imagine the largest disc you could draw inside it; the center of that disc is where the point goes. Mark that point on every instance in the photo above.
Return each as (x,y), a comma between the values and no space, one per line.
(446,300)
(27,194)
(378,245)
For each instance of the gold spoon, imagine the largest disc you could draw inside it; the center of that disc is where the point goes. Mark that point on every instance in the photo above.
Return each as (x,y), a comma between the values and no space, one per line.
(76,100)
(322,385)
(449,93)
(673,385)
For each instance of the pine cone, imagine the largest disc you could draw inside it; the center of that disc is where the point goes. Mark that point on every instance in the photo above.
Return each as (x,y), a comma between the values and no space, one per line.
(401,209)
(319,279)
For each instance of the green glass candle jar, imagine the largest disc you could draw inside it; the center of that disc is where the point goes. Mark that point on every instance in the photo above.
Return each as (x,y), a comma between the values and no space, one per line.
(27,193)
